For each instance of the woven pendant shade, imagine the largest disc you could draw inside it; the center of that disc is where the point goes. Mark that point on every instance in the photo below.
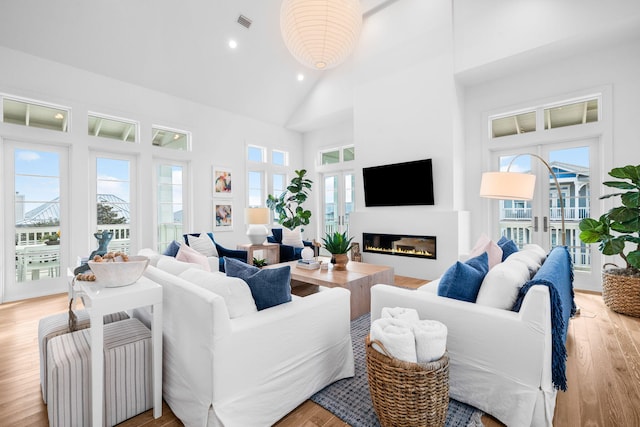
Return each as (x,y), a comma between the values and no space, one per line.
(320,33)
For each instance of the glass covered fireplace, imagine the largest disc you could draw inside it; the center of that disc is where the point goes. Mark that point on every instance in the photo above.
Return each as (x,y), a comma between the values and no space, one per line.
(400,244)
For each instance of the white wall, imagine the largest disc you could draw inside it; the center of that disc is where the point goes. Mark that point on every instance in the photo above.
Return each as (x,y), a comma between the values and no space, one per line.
(219,138)
(406,106)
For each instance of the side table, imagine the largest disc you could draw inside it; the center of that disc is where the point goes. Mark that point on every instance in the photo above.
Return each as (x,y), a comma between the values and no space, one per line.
(271,252)
(99,300)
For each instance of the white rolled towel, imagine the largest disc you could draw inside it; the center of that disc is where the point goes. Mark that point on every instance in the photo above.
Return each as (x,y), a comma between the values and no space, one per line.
(408,314)
(431,340)
(397,337)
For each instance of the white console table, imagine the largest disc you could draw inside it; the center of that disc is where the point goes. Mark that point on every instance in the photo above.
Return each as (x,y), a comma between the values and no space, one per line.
(99,301)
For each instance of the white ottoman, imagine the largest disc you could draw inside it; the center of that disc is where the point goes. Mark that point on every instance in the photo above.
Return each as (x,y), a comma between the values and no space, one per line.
(127,375)
(58,324)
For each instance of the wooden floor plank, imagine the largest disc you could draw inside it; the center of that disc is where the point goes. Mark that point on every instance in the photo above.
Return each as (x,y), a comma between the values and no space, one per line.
(603,370)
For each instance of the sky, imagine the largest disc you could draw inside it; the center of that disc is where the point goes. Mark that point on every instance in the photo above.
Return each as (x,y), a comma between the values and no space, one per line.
(576,156)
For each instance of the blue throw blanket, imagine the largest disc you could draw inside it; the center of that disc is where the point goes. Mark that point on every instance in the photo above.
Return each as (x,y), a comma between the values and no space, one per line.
(557,274)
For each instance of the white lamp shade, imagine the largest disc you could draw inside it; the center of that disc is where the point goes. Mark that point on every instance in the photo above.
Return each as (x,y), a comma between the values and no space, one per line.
(320,33)
(256,215)
(507,185)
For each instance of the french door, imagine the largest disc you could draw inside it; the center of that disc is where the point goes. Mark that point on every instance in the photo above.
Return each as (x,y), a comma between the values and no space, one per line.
(35,220)
(339,201)
(540,220)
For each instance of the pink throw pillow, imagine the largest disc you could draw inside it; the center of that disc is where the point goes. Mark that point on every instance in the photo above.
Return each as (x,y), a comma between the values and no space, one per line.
(484,244)
(187,254)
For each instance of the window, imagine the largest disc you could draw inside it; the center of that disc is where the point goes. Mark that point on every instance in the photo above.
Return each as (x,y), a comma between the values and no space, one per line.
(256,154)
(170,178)
(560,114)
(113,200)
(576,113)
(279,158)
(113,128)
(170,138)
(34,114)
(513,124)
(278,184)
(338,155)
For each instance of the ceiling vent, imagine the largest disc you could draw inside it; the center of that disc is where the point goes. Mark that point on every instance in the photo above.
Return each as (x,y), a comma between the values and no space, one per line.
(244,21)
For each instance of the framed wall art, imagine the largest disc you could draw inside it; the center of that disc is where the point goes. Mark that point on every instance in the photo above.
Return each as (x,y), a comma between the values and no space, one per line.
(222,182)
(223,215)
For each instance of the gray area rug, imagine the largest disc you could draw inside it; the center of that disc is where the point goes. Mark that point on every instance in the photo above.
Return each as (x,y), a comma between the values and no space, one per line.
(349,399)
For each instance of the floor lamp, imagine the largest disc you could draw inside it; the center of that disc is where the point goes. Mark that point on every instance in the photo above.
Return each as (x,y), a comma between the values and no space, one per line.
(517,186)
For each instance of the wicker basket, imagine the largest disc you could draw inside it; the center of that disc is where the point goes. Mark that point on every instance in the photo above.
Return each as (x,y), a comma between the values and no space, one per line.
(621,293)
(407,394)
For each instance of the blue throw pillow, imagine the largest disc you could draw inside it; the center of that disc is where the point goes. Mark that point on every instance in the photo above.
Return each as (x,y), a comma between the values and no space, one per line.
(269,286)
(172,249)
(508,247)
(463,279)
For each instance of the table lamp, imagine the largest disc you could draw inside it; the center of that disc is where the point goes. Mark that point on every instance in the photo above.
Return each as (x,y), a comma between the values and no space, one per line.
(256,218)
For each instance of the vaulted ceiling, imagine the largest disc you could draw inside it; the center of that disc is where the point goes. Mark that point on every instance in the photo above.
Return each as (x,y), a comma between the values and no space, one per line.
(176,47)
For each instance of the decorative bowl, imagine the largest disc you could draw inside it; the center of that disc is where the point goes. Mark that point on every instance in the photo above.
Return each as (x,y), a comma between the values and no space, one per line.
(113,274)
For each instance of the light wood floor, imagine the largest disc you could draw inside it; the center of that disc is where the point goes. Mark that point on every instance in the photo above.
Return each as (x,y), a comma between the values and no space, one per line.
(603,370)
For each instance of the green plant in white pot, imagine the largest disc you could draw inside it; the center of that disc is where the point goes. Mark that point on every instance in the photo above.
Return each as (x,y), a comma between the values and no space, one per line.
(618,233)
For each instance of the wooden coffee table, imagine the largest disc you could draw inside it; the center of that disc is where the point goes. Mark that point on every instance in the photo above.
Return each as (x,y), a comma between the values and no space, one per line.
(358,279)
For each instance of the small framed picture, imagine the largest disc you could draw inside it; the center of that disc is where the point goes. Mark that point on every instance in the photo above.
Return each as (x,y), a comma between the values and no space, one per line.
(223,215)
(222,183)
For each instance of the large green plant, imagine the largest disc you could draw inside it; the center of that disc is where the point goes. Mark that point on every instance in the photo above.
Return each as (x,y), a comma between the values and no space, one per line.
(337,243)
(288,207)
(621,225)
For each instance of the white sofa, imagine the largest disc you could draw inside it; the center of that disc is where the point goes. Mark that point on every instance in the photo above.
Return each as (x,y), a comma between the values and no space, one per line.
(250,370)
(500,360)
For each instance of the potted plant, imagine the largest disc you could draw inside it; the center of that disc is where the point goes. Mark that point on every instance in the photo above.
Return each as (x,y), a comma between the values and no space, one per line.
(338,244)
(288,205)
(618,232)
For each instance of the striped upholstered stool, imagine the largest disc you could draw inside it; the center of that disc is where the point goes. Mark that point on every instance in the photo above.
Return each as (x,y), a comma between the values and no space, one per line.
(58,324)
(127,374)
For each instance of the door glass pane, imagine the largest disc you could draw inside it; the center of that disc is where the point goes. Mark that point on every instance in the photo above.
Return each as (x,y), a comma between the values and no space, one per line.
(256,198)
(37,214)
(571,167)
(516,215)
(113,189)
(349,197)
(331,204)
(279,184)
(169,205)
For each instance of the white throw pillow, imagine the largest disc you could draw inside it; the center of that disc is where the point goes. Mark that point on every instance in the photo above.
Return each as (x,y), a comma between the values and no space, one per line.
(188,254)
(536,249)
(203,244)
(484,244)
(292,237)
(175,267)
(236,293)
(502,283)
(530,259)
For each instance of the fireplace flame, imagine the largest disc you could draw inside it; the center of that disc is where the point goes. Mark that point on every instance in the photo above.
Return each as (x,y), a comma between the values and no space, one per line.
(399,251)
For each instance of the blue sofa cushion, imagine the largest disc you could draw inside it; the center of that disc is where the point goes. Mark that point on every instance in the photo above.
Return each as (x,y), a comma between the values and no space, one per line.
(508,247)
(172,249)
(269,286)
(463,279)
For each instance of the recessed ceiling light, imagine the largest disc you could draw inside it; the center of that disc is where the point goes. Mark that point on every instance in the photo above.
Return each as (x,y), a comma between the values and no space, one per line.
(59,116)
(233,44)
(176,136)
(300,77)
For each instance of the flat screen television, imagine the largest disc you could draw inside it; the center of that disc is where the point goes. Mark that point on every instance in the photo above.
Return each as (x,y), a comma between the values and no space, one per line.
(399,184)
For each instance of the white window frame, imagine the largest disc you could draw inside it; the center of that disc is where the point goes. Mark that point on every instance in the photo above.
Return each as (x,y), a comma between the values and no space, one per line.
(173,130)
(3,96)
(135,123)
